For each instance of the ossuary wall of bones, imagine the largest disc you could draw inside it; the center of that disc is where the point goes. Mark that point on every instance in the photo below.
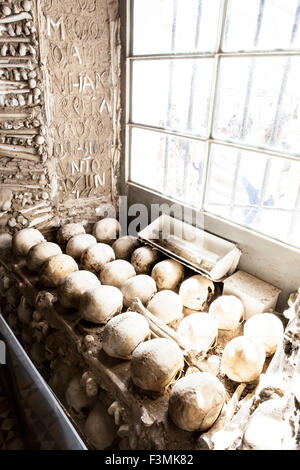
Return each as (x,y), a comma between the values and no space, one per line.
(59,111)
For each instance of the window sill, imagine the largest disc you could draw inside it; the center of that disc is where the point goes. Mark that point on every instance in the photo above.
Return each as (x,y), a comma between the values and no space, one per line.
(263,257)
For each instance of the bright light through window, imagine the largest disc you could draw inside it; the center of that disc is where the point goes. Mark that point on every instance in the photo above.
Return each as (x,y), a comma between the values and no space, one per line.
(214,108)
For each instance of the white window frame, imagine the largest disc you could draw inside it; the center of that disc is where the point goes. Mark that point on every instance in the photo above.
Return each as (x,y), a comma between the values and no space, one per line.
(265,257)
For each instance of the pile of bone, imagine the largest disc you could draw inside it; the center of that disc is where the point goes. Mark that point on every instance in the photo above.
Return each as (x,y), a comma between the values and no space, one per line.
(100,275)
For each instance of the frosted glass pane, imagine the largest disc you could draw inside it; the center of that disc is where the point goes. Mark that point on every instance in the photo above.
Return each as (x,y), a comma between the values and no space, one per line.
(172,94)
(255,190)
(165,26)
(168,164)
(258,102)
(261,25)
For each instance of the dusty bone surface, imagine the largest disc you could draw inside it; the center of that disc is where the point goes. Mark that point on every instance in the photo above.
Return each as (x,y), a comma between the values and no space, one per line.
(23,139)
(142,419)
(146,418)
(269,417)
(59,337)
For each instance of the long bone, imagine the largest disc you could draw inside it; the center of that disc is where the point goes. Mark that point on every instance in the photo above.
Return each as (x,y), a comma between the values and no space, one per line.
(16,62)
(17,148)
(18,135)
(13,40)
(13,18)
(20,83)
(24,131)
(33,208)
(19,187)
(5,116)
(40,220)
(14,92)
(20,155)
(160,329)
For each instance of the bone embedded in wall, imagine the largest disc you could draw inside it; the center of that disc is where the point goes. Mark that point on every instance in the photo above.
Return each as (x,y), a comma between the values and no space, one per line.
(15,62)
(14,40)
(14,18)
(19,155)
(33,208)
(22,114)
(39,220)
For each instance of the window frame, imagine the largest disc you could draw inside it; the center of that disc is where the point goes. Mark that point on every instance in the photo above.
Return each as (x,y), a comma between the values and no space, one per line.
(263,256)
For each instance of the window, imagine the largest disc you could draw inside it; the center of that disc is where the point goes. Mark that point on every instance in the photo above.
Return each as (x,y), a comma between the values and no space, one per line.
(213,115)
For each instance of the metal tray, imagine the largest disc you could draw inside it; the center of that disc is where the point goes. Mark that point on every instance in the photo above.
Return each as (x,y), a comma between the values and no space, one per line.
(46,424)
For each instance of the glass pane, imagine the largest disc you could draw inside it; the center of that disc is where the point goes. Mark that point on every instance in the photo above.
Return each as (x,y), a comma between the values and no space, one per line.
(166,26)
(262,25)
(255,190)
(258,102)
(168,164)
(172,94)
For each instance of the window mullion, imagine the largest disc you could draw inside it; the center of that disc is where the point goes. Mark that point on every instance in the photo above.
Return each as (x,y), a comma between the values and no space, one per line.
(246,107)
(247,147)
(294,214)
(170,97)
(204,55)
(205,173)
(191,101)
(222,19)
(167,131)
(217,141)
(214,87)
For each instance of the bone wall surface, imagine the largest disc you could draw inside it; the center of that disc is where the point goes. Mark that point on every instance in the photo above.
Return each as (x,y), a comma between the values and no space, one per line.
(59,111)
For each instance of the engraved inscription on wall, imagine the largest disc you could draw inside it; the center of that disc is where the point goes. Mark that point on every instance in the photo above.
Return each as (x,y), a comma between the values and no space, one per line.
(77,58)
